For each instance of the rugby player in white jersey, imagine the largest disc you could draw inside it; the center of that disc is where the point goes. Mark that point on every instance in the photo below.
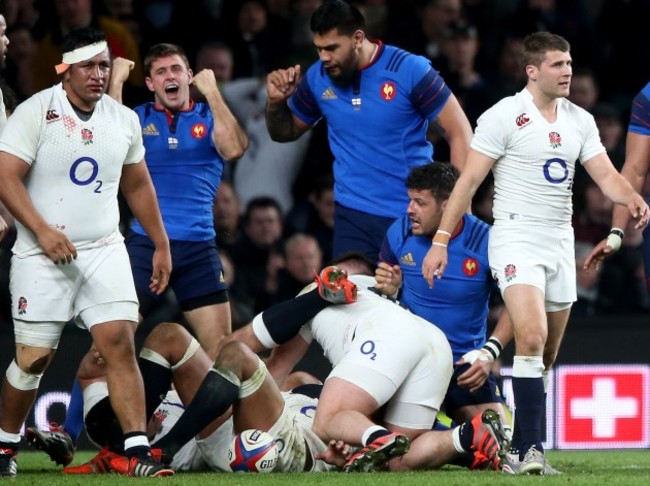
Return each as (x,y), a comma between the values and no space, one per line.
(531,142)
(195,423)
(382,356)
(63,155)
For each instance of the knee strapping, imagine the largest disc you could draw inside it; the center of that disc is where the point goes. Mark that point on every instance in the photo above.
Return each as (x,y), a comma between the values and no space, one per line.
(254,383)
(189,352)
(153,356)
(20,379)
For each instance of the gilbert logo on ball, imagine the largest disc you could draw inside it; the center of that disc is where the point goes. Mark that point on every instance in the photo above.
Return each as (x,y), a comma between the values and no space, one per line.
(253,451)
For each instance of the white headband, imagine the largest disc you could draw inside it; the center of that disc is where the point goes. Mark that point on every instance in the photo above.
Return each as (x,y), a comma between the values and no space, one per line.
(80,54)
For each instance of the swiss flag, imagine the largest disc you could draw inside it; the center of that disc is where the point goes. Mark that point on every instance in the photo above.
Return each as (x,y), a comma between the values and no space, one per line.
(603,407)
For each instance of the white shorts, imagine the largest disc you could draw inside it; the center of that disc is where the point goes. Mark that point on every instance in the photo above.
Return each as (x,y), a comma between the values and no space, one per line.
(97,287)
(541,256)
(406,364)
(293,431)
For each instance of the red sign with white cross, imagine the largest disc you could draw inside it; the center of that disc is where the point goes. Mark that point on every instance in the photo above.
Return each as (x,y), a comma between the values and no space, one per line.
(601,407)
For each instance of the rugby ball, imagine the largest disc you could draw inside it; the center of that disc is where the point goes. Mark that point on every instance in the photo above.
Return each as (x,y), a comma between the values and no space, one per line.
(253,451)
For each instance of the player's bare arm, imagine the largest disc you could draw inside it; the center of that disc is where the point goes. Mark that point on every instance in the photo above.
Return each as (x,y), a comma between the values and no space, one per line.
(635,169)
(3,228)
(618,189)
(140,194)
(457,131)
(119,74)
(281,123)
(285,357)
(483,359)
(475,170)
(229,138)
(16,199)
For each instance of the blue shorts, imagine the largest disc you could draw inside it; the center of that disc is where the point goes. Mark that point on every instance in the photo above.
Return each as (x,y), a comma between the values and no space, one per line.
(458,397)
(358,231)
(197,273)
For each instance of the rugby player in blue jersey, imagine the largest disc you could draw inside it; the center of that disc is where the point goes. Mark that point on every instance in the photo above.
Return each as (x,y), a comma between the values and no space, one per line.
(459,306)
(378,101)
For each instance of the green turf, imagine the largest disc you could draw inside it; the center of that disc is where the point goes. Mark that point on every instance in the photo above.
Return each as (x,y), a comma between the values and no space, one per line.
(611,468)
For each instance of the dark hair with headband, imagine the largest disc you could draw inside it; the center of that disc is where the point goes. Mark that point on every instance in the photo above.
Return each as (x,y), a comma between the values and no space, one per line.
(80,38)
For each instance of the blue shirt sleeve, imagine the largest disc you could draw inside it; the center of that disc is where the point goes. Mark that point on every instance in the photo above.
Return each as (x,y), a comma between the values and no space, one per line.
(640,116)
(303,104)
(430,95)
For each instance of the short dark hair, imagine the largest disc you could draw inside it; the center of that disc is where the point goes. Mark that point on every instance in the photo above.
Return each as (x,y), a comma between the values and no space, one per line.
(163,50)
(437,177)
(337,14)
(536,46)
(80,38)
(261,202)
(359,258)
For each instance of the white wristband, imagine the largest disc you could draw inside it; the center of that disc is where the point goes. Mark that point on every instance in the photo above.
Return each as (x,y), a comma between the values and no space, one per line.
(615,238)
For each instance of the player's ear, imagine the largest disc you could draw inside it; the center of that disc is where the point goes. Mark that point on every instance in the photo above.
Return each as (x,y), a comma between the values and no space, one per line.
(190,75)
(358,36)
(149,83)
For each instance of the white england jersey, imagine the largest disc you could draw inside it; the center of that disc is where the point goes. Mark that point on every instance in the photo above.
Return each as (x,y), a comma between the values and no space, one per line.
(535,159)
(335,327)
(75,165)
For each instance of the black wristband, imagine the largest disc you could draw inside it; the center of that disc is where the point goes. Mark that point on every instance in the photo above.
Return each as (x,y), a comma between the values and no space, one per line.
(618,232)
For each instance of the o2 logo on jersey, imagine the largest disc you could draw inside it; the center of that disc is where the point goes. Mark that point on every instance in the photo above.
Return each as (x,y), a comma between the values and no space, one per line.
(368,349)
(388,91)
(556,171)
(84,171)
(199,130)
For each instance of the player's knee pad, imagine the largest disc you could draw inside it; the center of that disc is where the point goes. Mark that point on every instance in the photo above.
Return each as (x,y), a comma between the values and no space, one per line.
(22,380)
(254,383)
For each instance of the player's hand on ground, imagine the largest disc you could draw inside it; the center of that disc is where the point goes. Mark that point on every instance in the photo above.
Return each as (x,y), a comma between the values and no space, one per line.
(57,246)
(121,69)
(639,210)
(601,251)
(434,263)
(481,363)
(205,81)
(3,228)
(162,269)
(282,83)
(336,453)
(389,278)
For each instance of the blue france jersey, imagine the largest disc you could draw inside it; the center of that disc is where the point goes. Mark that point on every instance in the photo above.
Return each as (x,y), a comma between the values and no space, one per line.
(185,168)
(377,126)
(458,302)
(640,116)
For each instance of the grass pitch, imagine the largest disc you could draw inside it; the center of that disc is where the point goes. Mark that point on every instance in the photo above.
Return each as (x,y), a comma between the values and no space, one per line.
(611,468)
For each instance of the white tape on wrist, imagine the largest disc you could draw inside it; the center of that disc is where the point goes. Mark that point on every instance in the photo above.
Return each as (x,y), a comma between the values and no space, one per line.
(615,238)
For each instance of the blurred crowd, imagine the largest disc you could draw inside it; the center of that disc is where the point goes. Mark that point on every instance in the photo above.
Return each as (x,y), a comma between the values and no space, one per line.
(274,210)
